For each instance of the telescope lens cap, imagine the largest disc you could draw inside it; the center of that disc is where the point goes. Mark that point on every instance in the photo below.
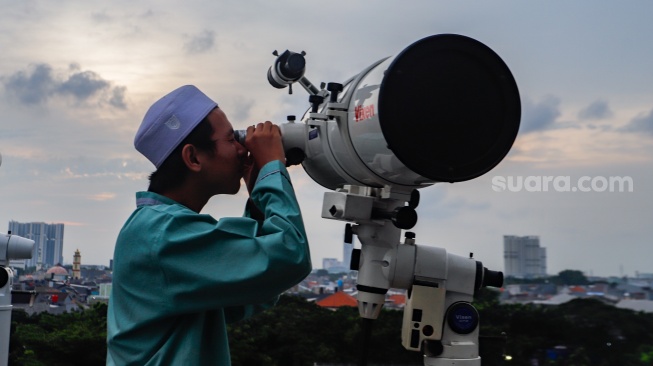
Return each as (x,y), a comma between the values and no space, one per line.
(462,317)
(449,108)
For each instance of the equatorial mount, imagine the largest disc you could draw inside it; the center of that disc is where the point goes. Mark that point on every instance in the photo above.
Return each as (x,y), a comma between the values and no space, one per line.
(439,318)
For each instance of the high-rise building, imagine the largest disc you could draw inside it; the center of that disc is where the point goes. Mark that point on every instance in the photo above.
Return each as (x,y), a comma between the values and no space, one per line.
(523,257)
(330,262)
(48,242)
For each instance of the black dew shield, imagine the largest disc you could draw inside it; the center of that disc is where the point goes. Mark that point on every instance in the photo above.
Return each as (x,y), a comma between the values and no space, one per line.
(449,108)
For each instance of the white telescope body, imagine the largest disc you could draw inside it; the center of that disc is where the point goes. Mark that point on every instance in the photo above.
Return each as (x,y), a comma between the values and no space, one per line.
(445,109)
(14,247)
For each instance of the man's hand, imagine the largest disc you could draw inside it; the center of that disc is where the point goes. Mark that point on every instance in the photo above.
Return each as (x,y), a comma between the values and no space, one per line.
(264,145)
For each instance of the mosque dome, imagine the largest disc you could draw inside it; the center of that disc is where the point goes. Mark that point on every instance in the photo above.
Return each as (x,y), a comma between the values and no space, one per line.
(57,270)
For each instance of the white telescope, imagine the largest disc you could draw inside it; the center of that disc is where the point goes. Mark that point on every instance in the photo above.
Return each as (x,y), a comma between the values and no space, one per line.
(445,109)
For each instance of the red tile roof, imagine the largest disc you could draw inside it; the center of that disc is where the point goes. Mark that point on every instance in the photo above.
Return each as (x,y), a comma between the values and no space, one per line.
(337,300)
(576,289)
(398,299)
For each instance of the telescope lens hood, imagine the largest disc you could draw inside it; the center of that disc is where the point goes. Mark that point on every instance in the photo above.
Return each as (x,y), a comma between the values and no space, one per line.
(449,108)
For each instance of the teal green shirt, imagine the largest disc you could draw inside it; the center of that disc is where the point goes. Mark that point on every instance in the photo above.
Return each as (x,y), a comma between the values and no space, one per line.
(179,277)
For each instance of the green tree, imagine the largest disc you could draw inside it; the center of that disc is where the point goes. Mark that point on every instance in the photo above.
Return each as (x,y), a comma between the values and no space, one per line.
(571,278)
(646,354)
(296,332)
(75,338)
(286,334)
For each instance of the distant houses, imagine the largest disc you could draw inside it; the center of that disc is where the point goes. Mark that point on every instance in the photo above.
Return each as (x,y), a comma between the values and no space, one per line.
(627,293)
(56,291)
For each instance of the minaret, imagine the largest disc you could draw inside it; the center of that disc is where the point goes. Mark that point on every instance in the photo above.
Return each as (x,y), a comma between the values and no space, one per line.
(77,265)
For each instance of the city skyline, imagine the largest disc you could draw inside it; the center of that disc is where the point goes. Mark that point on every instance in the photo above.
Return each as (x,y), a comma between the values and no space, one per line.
(77,78)
(514,247)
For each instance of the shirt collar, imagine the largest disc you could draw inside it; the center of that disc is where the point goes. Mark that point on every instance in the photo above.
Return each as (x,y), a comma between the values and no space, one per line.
(152,199)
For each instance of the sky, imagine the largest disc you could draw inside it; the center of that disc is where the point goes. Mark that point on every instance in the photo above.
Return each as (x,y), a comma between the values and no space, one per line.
(76,79)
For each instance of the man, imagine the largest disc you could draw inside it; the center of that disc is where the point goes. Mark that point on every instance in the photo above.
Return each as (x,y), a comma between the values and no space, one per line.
(179,276)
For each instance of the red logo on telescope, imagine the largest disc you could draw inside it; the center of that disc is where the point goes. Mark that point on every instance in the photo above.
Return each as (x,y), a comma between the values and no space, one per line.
(362,113)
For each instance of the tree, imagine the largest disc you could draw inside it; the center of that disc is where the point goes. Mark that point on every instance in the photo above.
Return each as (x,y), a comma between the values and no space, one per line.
(322,272)
(646,354)
(65,339)
(297,333)
(570,278)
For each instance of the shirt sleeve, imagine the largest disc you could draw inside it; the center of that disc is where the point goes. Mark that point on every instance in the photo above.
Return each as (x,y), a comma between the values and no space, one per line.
(235,261)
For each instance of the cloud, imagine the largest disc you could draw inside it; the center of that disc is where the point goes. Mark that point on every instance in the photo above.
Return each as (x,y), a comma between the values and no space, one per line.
(31,87)
(103,196)
(83,85)
(117,98)
(101,16)
(201,42)
(39,83)
(462,204)
(641,123)
(539,116)
(599,109)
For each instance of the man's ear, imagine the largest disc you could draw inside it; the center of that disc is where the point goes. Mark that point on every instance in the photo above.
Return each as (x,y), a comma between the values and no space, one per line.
(190,158)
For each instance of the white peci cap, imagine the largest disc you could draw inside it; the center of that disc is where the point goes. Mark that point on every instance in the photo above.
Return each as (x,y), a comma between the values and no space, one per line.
(169,120)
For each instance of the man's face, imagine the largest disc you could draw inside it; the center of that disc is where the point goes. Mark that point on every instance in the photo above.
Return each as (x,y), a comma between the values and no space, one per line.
(225,167)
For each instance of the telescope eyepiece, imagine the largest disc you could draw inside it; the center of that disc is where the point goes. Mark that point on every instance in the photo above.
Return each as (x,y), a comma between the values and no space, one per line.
(487,278)
(240,136)
(294,154)
(492,278)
